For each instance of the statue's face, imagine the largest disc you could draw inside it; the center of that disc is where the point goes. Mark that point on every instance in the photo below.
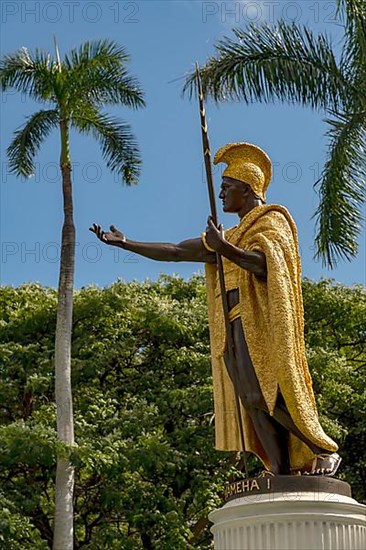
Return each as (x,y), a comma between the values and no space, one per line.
(233,195)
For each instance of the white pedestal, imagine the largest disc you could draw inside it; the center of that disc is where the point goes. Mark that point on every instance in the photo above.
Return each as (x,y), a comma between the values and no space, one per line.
(290,521)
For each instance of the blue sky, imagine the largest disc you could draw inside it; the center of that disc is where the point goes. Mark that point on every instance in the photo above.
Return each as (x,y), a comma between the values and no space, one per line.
(164,39)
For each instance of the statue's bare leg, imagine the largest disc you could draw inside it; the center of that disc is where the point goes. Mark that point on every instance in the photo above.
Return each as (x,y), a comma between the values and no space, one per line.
(282,416)
(272,431)
(325,462)
(272,435)
(274,439)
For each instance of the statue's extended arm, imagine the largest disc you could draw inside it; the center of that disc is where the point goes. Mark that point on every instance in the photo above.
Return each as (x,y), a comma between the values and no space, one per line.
(191,250)
(254,261)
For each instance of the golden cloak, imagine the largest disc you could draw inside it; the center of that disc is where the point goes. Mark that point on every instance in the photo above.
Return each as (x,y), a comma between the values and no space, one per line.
(273,322)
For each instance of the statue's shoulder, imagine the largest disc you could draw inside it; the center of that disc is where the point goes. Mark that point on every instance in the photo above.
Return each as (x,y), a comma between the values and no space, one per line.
(271,219)
(277,211)
(279,219)
(268,213)
(278,214)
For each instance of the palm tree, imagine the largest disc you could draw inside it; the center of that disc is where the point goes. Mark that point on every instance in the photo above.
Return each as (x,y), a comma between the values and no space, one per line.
(73,91)
(287,62)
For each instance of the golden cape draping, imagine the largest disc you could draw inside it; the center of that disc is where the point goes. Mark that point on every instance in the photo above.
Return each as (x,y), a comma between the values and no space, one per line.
(272,317)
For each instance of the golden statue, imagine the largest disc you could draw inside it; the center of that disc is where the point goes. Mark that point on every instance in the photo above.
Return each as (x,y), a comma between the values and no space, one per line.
(263,287)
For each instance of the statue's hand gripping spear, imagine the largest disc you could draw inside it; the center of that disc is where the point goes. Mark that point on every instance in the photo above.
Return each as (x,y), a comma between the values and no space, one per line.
(232,365)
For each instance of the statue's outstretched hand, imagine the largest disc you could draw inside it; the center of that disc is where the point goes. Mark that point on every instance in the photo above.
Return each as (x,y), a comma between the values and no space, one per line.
(113,237)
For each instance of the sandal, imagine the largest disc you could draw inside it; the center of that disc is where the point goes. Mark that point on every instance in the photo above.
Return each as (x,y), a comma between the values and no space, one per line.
(325,464)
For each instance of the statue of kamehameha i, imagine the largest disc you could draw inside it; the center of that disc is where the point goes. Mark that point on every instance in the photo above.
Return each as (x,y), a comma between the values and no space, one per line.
(264,402)
(262,272)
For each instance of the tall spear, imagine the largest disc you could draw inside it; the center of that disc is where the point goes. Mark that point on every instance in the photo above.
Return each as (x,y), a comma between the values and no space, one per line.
(232,366)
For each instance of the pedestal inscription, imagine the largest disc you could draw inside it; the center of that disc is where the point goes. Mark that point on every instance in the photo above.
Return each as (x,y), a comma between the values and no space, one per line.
(289,513)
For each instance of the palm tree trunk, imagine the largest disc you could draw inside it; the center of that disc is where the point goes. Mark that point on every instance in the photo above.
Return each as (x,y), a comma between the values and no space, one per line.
(63,526)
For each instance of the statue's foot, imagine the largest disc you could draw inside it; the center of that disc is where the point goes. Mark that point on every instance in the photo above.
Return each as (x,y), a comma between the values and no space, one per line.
(326,464)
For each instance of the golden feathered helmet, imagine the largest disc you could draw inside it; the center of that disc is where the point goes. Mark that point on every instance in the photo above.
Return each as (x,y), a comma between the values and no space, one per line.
(247,163)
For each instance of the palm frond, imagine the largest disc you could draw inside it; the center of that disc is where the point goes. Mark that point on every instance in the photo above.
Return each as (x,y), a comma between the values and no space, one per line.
(27,141)
(342,190)
(97,74)
(96,53)
(351,10)
(354,53)
(264,63)
(119,148)
(32,74)
(105,86)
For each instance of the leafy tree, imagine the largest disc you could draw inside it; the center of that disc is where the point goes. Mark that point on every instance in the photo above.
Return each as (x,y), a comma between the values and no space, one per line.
(74,91)
(287,62)
(335,333)
(146,471)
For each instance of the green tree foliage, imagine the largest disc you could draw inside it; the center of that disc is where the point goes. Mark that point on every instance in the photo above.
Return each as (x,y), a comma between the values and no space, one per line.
(146,471)
(335,333)
(289,63)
